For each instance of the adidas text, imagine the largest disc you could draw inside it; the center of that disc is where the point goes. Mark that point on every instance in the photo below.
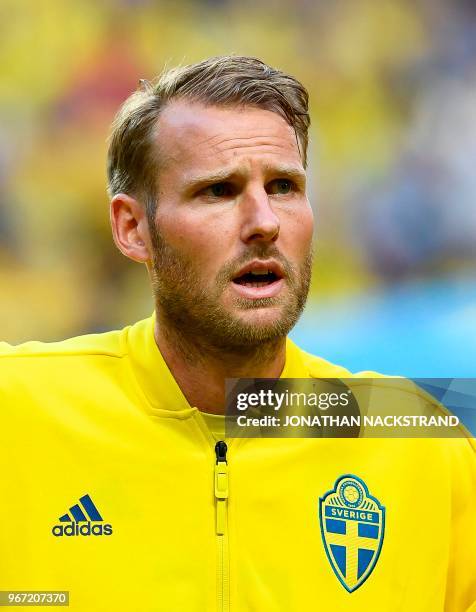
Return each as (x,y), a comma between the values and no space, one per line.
(83,528)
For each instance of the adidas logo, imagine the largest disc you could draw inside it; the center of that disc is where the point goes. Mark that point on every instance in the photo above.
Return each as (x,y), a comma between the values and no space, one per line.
(86,521)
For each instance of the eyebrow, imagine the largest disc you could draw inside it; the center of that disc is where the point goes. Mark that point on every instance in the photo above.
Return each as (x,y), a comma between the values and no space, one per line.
(219,176)
(227,174)
(287,171)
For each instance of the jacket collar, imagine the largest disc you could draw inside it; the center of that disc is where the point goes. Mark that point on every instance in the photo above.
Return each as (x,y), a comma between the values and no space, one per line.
(156,381)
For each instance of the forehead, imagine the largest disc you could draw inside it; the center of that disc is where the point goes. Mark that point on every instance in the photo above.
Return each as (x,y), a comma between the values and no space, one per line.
(192,136)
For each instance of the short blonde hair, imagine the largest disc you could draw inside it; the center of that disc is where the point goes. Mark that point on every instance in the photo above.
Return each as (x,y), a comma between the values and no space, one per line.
(133,156)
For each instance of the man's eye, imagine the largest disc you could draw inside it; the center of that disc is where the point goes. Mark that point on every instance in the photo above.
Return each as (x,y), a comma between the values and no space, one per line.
(280,187)
(218,190)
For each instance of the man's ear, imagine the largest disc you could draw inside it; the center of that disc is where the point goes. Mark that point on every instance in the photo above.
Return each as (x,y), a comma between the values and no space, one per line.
(130,229)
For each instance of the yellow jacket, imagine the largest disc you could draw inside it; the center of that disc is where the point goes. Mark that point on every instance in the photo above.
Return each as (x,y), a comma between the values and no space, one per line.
(111,489)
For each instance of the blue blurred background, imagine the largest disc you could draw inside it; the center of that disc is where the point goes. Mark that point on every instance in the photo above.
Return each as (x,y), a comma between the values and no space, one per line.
(392,164)
(415,329)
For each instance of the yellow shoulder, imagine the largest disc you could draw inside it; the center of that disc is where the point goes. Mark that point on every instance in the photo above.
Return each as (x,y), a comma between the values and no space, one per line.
(109,343)
(317,367)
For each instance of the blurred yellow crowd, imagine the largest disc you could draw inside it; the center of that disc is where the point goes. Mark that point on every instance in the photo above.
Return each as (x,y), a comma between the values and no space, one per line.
(391,85)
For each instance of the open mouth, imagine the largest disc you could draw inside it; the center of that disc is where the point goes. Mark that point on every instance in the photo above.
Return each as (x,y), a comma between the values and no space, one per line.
(256,278)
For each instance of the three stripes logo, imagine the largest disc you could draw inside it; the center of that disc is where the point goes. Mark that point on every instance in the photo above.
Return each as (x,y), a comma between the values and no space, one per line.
(83,519)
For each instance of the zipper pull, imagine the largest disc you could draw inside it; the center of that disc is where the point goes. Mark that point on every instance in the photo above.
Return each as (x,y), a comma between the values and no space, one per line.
(220,451)
(221,485)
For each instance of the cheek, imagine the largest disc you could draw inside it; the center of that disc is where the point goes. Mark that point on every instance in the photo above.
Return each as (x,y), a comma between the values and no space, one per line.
(308,225)
(201,240)
(298,232)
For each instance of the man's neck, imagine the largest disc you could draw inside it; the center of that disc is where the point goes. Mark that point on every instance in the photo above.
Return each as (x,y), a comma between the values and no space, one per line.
(200,371)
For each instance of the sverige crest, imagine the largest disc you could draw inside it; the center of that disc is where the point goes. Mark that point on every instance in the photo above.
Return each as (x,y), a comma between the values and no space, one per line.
(352,526)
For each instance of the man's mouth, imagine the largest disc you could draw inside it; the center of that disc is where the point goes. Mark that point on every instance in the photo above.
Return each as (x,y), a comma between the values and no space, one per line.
(256,279)
(259,279)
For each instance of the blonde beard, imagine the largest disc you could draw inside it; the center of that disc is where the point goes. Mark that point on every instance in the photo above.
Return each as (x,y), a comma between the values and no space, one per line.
(194,316)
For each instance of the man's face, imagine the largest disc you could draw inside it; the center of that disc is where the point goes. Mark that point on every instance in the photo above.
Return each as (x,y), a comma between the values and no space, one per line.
(232,232)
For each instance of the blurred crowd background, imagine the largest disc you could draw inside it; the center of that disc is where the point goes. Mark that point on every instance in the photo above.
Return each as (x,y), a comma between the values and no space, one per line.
(392,164)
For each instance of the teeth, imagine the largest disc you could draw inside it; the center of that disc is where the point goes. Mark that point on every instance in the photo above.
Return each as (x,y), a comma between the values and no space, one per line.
(259,272)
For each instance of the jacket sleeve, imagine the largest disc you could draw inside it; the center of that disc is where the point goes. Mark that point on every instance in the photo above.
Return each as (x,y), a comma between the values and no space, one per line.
(461,584)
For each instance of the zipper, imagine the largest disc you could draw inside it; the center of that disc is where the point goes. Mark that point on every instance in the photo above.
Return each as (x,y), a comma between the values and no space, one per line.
(221,526)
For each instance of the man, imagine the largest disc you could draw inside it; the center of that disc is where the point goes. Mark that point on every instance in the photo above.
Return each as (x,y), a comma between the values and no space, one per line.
(117,484)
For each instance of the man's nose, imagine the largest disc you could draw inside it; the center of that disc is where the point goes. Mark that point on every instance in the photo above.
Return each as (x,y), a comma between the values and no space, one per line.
(259,221)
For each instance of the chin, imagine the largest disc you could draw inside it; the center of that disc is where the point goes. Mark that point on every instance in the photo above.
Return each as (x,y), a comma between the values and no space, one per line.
(260,314)
(266,323)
